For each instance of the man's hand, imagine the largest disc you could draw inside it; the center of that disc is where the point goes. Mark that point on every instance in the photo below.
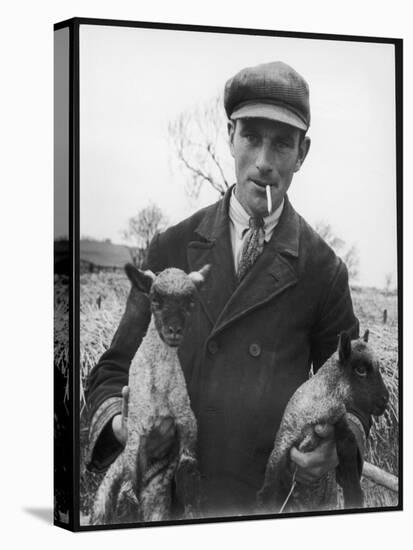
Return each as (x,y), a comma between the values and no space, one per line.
(120,421)
(314,464)
(161,438)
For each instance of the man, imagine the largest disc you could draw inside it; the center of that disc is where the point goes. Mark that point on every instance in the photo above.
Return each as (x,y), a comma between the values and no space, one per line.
(272,307)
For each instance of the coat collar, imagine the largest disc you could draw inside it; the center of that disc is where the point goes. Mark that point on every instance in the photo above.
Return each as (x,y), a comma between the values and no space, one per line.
(213,247)
(216,222)
(216,219)
(223,299)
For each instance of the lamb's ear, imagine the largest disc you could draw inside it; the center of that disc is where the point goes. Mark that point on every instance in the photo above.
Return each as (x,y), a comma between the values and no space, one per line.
(366,336)
(198,277)
(344,347)
(142,280)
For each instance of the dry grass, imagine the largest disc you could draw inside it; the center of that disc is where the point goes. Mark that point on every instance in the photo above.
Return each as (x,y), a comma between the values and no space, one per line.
(383,443)
(103,298)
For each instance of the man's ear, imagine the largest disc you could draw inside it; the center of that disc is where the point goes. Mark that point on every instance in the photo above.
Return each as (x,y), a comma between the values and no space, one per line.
(231,133)
(303,149)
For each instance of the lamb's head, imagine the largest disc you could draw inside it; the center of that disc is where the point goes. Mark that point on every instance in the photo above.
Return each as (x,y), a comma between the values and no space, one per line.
(172,294)
(361,367)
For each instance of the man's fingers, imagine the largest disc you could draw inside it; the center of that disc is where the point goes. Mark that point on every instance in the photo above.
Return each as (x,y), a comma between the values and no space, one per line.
(307,479)
(301,459)
(312,465)
(166,426)
(161,449)
(307,468)
(304,478)
(161,437)
(119,428)
(125,403)
(324,430)
(325,451)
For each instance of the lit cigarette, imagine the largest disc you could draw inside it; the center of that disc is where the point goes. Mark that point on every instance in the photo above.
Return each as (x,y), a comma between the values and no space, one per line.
(269,201)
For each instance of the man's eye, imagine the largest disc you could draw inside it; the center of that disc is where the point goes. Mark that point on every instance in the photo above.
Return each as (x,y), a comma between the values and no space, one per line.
(283,145)
(251,138)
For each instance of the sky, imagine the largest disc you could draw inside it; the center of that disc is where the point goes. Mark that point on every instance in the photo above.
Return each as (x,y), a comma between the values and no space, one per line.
(133,82)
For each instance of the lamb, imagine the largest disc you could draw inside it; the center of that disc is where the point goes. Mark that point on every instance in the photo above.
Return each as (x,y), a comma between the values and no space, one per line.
(351,378)
(136,487)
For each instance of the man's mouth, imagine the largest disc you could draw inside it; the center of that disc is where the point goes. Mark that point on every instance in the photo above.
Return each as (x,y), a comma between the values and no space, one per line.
(262,184)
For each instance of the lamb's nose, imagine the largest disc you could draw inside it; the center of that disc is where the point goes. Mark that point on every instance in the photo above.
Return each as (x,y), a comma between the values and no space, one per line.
(384,399)
(175,331)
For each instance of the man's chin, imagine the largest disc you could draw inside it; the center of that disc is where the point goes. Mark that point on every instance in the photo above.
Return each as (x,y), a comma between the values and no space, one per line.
(255,200)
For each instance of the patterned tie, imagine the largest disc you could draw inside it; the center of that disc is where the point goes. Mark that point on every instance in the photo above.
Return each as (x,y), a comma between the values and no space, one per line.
(252,247)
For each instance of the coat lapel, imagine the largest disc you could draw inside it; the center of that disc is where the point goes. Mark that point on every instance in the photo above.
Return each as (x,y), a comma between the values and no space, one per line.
(223,299)
(214,247)
(273,272)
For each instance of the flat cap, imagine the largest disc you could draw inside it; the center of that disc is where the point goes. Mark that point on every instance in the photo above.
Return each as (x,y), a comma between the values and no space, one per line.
(271,90)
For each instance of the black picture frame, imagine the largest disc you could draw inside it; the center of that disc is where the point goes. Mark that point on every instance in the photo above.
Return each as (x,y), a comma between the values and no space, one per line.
(67,478)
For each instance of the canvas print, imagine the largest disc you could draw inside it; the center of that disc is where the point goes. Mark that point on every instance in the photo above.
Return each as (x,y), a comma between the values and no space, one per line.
(238,281)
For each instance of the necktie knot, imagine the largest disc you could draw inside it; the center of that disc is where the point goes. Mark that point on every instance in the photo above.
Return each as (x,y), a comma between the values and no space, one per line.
(256,222)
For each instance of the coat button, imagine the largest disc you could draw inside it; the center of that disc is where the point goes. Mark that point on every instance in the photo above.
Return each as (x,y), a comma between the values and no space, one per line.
(255,350)
(212,346)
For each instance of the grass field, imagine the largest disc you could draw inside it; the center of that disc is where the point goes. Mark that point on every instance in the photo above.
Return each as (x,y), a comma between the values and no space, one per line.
(383,443)
(103,297)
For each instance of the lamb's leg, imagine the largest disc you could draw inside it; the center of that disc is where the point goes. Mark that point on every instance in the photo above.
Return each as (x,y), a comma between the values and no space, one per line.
(278,477)
(187,477)
(115,500)
(347,452)
(156,490)
(273,492)
(180,407)
(315,495)
(188,486)
(128,508)
(154,478)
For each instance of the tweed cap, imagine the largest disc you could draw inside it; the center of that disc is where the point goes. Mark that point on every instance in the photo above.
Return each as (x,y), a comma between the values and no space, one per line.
(271,90)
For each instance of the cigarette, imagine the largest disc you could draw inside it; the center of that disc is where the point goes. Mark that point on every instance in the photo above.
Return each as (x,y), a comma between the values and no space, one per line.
(269,201)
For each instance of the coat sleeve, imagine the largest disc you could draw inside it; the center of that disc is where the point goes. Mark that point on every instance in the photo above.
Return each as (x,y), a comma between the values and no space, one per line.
(336,315)
(111,373)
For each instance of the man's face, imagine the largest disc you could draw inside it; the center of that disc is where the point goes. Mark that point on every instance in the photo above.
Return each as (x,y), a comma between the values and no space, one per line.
(266,152)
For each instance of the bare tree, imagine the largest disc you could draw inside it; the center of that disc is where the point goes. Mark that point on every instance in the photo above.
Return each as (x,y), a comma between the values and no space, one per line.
(141,230)
(198,137)
(349,254)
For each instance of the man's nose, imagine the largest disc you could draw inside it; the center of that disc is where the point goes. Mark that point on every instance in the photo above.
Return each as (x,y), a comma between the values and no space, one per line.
(263,161)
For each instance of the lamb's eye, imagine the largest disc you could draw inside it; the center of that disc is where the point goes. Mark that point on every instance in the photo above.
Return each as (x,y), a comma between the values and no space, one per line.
(360,370)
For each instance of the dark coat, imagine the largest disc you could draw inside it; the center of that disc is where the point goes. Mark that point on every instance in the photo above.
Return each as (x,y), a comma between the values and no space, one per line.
(249,346)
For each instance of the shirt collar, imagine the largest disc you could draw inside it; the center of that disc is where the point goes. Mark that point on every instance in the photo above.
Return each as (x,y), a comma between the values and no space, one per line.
(240,218)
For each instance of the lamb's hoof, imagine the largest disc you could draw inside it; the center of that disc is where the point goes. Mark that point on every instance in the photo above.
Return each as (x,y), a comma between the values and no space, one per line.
(188,486)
